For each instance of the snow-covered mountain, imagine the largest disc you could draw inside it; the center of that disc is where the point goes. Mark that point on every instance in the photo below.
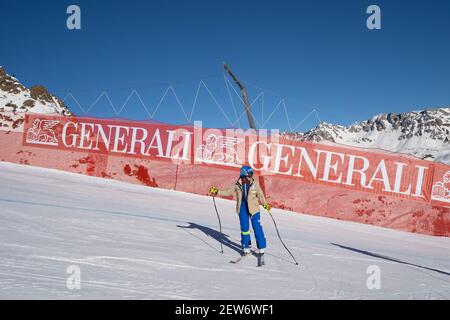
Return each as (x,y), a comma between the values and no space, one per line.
(16,99)
(424,134)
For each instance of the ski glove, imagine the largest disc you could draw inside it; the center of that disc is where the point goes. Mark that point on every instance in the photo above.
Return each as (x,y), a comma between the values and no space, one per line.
(213,190)
(267,206)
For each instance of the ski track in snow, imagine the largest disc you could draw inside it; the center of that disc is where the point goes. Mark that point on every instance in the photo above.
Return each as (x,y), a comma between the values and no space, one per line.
(129,243)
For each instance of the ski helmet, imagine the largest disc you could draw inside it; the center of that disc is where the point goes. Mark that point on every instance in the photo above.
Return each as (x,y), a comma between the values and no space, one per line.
(246,171)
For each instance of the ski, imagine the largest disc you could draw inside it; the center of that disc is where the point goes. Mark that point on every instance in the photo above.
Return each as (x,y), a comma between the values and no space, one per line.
(237,260)
(240,258)
(260,258)
(261,261)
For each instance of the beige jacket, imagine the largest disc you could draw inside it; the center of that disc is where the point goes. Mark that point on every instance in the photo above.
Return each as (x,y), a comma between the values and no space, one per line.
(254,199)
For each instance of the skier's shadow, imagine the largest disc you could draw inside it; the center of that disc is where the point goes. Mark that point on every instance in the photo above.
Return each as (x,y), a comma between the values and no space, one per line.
(220,237)
(376,255)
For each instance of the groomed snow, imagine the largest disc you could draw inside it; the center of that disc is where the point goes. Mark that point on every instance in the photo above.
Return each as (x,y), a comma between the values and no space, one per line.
(131,241)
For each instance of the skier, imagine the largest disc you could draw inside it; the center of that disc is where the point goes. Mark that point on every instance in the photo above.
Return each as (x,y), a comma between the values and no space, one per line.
(248,198)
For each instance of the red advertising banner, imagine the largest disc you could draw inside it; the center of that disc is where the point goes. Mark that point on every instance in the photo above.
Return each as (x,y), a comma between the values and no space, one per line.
(269,155)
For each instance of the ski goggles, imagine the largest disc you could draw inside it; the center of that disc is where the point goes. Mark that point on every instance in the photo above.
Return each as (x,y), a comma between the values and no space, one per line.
(246,174)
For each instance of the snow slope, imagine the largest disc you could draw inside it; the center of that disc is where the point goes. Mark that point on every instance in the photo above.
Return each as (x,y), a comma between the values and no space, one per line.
(133,241)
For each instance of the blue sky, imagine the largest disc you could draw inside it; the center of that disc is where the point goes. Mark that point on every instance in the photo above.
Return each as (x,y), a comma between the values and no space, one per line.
(314,54)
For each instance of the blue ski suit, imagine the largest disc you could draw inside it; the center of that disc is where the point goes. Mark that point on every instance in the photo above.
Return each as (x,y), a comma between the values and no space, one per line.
(244,217)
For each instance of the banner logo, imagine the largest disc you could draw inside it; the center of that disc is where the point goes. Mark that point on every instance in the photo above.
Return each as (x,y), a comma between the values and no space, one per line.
(441,190)
(42,132)
(220,150)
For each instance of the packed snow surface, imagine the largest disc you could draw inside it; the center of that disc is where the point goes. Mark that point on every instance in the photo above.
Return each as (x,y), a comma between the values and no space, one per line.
(136,242)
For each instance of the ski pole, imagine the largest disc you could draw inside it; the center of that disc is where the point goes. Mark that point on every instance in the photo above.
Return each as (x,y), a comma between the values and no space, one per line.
(220,223)
(276,228)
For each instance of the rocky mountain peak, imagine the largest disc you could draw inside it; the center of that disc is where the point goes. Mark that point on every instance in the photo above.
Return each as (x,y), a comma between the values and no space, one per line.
(16,100)
(9,84)
(424,134)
